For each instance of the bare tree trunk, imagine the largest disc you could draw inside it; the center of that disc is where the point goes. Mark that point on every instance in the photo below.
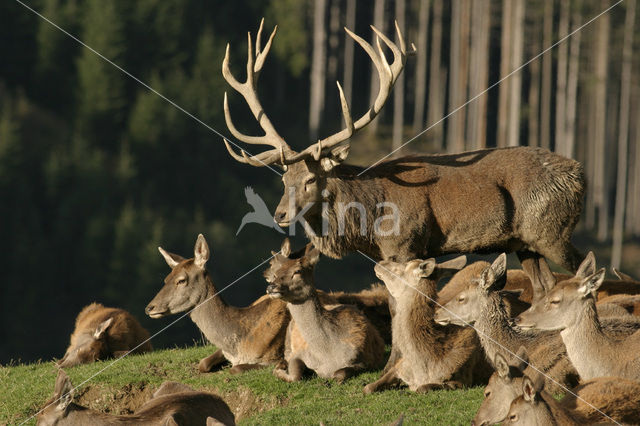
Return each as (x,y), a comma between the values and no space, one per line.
(333,41)
(458,63)
(398,93)
(545,98)
(318,66)
(505,63)
(572,85)
(421,67)
(515,87)
(623,136)
(478,73)
(534,102)
(378,22)
(601,64)
(436,76)
(348,51)
(561,82)
(634,217)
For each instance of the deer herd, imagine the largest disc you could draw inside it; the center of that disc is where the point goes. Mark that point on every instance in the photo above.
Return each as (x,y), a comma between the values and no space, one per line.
(542,333)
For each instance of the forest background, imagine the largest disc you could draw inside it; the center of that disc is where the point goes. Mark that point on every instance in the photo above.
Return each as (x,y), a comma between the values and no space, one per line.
(97,171)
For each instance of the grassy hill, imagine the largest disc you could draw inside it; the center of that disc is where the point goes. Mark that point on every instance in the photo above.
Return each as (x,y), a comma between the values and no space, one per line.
(255,397)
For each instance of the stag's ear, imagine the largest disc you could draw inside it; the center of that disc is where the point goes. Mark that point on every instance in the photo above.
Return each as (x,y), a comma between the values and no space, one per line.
(592,283)
(587,267)
(336,156)
(493,278)
(502,366)
(311,256)
(171,259)
(63,391)
(529,390)
(102,328)
(285,249)
(201,252)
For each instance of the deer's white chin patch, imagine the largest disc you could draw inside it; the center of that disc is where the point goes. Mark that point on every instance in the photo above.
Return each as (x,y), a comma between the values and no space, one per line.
(283,224)
(156,315)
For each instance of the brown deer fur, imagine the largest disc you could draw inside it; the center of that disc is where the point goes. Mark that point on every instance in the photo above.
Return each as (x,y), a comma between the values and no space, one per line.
(247,337)
(101,333)
(183,408)
(594,351)
(433,356)
(513,199)
(373,302)
(334,341)
(481,304)
(616,397)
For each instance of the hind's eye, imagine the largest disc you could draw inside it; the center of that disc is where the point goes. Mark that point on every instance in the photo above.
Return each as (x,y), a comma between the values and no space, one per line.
(555,301)
(461,299)
(181,281)
(310,181)
(513,418)
(487,393)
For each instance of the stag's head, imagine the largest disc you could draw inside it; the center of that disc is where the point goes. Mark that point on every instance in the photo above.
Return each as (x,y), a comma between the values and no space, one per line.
(187,284)
(290,276)
(307,171)
(563,304)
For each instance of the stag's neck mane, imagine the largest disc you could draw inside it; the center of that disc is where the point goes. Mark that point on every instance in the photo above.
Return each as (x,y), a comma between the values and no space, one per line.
(345,230)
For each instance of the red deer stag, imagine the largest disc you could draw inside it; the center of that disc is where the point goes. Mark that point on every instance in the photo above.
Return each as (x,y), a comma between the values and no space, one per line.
(102,333)
(519,199)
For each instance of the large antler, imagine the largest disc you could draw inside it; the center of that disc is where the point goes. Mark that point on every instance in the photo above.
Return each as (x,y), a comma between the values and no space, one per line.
(283,154)
(248,90)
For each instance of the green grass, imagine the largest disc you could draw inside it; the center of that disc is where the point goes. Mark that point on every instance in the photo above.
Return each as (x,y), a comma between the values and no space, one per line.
(256,397)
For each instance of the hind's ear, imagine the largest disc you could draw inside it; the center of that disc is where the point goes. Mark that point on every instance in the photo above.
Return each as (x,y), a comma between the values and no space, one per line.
(529,390)
(493,278)
(587,267)
(201,252)
(63,391)
(426,268)
(521,359)
(102,328)
(311,255)
(502,366)
(285,249)
(171,259)
(592,283)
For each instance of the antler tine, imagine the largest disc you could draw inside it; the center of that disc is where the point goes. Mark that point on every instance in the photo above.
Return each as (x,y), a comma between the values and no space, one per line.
(387,74)
(248,89)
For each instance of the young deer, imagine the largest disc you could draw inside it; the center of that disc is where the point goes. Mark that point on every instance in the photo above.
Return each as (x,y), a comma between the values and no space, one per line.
(334,341)
(373,302)
(249,337)
(616,397)
(602,401)
(173,408)
(570,306)
(480,303)
(102,333)
(432,356)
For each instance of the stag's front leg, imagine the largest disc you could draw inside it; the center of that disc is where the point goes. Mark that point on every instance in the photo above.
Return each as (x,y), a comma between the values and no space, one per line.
(207,364)
(295,371)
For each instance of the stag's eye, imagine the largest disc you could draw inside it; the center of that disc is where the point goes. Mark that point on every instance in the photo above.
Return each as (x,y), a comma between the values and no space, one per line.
(181,281)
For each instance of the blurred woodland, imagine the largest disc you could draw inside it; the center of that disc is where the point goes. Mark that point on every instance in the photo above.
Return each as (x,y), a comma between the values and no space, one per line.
(96,171)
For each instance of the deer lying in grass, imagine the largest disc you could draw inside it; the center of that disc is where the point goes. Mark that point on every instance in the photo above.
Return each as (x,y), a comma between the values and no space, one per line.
(481,304)
(181,408)
(594,351)
(250,337)
(334,341)
(607,399)
(373,302)
(433,356)
(616,397)
(102,333)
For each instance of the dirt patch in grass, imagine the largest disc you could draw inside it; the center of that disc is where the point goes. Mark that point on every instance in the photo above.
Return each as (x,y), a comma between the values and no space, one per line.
(125,400)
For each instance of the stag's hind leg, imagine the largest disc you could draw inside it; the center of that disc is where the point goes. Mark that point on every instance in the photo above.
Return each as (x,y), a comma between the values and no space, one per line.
(562,253)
